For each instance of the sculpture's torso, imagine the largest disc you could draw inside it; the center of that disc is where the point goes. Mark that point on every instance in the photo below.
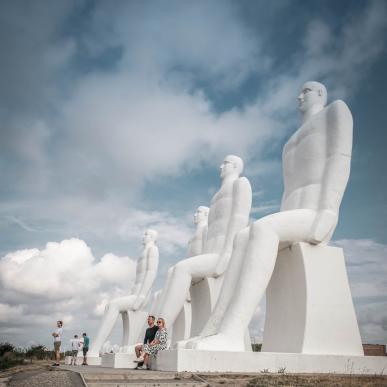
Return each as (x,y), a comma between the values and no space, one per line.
(306,155)
(141,268)
(219,216)
(195,245)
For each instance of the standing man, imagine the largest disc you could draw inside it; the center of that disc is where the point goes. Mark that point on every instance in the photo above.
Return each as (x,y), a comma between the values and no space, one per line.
(57,335)
(150,334)
(86,342)
(74,349)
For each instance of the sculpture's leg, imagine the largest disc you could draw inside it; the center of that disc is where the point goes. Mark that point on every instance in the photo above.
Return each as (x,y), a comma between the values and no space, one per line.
(255,274)
(230,283)
(164,291)
(195,267)
(109,319)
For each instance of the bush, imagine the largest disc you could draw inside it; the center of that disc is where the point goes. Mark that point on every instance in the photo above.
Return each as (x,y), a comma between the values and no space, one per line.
(256,347)
(6,347)
(38,352)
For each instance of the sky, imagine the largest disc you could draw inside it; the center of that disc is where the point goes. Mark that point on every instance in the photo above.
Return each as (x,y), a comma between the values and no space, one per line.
(115,116)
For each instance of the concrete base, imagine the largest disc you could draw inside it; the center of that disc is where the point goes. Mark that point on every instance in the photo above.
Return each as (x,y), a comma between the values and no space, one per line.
(309,307)
(211,361)
(118,360)
(94,360)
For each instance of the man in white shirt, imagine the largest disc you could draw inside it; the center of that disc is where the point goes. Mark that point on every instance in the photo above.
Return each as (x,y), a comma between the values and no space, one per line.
(75,345)
(57,335)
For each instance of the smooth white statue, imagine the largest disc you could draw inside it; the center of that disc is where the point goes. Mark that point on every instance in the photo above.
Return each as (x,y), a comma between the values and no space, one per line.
(195,247)
(316,167)
(229,213)
(146,271)
(197,242)
(181,328)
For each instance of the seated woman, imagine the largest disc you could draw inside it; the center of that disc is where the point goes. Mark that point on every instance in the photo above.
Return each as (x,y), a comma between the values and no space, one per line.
(158,344)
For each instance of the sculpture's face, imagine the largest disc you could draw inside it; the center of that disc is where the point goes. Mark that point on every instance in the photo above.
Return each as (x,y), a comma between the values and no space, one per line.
(147,238)
(200,215)
(227,168)
(310,96)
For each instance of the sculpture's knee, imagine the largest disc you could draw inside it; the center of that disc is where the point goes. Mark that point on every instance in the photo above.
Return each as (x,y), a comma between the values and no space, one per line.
(170,271)
(181,269)
(111,306)
(259,228)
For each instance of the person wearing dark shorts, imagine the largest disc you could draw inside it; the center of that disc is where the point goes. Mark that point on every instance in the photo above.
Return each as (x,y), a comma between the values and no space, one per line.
(86,343)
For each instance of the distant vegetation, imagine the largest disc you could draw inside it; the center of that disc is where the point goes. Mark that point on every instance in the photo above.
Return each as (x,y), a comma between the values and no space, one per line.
(11,356)
(256,347)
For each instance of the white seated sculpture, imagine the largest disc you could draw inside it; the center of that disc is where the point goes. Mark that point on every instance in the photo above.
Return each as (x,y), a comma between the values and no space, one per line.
(316,167)
(229,213)
(181,328)
(130,307)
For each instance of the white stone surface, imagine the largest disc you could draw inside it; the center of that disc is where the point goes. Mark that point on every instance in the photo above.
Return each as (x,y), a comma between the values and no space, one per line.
(131,307)
(229,213)
(181,328)
(316,167)
(309,307)
(118,360)
(204,294)
(213,361)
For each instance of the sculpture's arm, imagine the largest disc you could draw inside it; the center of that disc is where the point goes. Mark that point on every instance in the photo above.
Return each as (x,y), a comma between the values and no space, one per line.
(336,171)
(204,238)
(240,212)
(150,276)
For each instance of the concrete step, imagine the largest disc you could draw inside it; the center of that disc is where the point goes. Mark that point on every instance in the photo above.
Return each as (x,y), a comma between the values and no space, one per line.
(141,379)
(151,383)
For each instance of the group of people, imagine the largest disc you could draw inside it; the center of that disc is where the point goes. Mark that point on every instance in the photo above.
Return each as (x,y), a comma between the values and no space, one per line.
(155,340)
(76,343)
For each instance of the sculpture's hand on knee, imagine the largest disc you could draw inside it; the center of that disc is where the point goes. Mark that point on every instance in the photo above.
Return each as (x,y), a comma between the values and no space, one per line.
(325,221)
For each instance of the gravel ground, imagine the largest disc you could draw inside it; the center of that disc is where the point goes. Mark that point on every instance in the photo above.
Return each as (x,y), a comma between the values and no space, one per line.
(45,378)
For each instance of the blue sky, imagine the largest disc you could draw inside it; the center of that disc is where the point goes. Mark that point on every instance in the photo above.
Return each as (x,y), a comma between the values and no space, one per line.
(115,116)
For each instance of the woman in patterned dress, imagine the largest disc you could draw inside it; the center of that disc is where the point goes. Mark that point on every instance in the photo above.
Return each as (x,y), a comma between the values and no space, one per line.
(158,344)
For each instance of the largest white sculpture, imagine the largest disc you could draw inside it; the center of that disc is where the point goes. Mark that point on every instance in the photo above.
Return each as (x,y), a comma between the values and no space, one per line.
(146,272)
(229,213)
(309,305)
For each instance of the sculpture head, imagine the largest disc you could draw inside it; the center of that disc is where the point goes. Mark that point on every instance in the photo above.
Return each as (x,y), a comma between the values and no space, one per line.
(313,96)
(201,214)
(150,236)
(231,166)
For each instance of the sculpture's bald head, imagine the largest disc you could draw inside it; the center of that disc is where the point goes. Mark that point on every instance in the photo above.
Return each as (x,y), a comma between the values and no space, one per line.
(313,94)
(201,214)
(150,236)
(232,165)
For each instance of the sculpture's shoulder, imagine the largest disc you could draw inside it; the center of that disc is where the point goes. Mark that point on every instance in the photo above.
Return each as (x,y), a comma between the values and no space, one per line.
(339,111)
(242,182)
(153,252)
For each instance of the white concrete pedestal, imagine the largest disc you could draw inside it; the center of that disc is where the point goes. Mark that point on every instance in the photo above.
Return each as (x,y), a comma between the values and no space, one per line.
(118,360)
(212,361)
(204,294)
(309,307)
(92,360)
(182,327)
(132,324)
